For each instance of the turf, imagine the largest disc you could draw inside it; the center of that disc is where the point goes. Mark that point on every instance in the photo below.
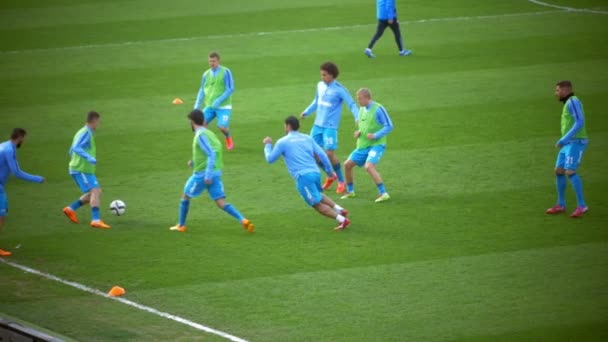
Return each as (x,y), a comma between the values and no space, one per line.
(463,251)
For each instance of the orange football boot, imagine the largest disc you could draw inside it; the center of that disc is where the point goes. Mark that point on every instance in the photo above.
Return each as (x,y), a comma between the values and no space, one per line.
(71,214)
(99,224)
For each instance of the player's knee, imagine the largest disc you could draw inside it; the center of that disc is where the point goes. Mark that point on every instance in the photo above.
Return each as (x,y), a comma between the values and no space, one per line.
(185,197)
(349,164)
(95,191)
(370,167)
(570,172)
(559,171)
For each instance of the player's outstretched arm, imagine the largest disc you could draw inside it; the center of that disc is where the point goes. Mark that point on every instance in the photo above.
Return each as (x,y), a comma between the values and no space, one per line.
(201,93)
(576,110)
(352,105)
(311,108)
(13,164)
(272,154)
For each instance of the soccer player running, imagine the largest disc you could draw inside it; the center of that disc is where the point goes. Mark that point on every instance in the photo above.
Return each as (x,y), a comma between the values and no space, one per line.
(374,126)
(207,167)
(215,93)
(387,17)
(572,144)
(328,105)
(9,165)
(300,153)
(82,167)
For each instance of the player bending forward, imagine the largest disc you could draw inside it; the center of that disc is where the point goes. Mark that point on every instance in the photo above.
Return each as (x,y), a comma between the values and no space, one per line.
(9,165)
(299,151)
(207,173)
(374,126)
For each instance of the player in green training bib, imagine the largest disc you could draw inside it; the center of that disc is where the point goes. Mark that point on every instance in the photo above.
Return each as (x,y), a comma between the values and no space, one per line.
(215,93)
(207,167)
(572,145)
(83,162)
(374,125)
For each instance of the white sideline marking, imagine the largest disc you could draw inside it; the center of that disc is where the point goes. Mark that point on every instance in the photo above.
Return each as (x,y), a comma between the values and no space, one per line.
(125,301)
(569,9)
(268,33)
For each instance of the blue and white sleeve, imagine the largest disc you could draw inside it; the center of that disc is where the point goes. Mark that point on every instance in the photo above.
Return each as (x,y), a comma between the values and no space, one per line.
(229,84)
(204,144)
(576,110)
(201,93)
(312,107)
(352,105)
(322,157)
(273,154)
(383,118)
(13,165)
(80,145)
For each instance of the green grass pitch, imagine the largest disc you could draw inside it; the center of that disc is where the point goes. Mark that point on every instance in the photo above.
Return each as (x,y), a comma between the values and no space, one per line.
(463,251)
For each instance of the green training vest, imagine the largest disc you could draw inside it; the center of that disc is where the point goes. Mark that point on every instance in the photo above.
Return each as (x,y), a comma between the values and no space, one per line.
(369,124)
(568,122)
(199,158)
(215,87)
(77,163)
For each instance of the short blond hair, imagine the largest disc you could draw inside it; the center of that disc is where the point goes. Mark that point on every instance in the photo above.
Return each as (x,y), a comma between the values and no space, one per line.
(366,92)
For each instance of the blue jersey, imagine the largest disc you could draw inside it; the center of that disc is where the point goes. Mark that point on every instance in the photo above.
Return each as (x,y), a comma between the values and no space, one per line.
(9,165)
(228,84)
(299,151)
(386,9)
(328,104)
(383,119)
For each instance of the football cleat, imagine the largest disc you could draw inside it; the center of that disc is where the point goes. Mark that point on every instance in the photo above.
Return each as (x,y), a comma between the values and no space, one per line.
(341,188)
(4,253)
(556,209)
(405,52)
(348,195)
(71,214)
(229,143)
(178,228)
(579,211)
(99,224)
(383,198)
(343,224)
(328,182)
(368,52)
(248,225)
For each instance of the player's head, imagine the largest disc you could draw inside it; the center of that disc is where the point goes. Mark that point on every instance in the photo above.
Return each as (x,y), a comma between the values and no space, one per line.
(214,59)
(197,119)
(563,89)
(18,136)
(364,96)
(329,72)
(292,124)
(93,119)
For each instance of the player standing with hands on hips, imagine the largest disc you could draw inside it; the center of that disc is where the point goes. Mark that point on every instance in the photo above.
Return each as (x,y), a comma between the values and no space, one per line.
(328,105)
(571,146)
(215,92)
(387,17)
(8,166)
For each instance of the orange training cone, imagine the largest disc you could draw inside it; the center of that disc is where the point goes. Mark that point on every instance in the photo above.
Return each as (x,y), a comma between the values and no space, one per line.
(177,101)
(116,291)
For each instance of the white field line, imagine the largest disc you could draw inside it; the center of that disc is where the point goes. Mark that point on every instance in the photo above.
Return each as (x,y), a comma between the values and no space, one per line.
(569,9)
(269,33)
(125,301)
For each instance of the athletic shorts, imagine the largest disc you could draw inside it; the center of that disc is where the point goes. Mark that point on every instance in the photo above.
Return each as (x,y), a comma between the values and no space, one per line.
(196,185)
(85,181)
(3,203)
(570,156)
(370,154)
(309,187)
(223,116)
(325,137)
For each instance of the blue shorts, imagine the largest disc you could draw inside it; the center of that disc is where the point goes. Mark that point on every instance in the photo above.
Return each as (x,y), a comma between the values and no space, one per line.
(223,116)
(325,137)
(3,203)
(196,185)
(309,187)
(570,156)
(85,181)
(370,154)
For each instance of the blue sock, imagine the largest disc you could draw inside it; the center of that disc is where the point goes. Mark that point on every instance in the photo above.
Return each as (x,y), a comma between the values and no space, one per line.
(77,204)
(577,184)
(381,188)
(350,187)
(561,182)
(338,170)
(230,209)
(184,205)
(95,213)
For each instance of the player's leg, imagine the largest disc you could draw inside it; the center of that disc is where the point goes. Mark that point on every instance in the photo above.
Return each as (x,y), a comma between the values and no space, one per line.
(194,187)
(209,114)
(216,192)
(356,158)
(316,133)
(560,183)
(573,160)
(83,184)
(309,187)
(3,213)
(382,24)
(330,144)
(223,123)
(398,38)
(95,202)
(373,158)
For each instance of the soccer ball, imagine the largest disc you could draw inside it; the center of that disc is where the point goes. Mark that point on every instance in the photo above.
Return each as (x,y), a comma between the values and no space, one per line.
(118,207)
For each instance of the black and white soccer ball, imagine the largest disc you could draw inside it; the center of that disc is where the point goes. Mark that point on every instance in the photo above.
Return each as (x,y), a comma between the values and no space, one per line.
(118,207)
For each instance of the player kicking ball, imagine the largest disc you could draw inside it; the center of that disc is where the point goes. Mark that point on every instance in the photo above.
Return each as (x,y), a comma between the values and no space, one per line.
(207,167)
(299,151)
(374,126)
(9,165)
(83,163)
